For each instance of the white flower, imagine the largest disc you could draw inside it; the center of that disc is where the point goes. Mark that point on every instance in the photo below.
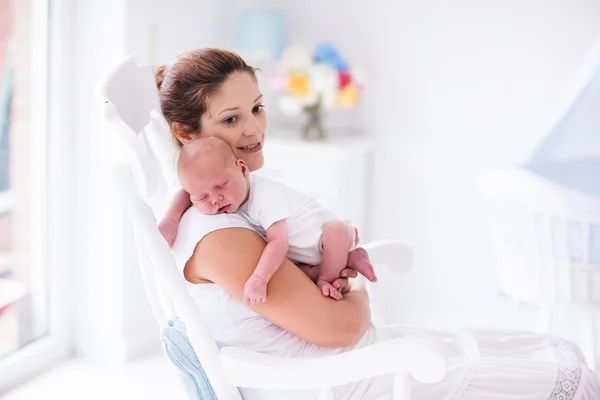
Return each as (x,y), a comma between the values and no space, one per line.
(296,59)
(290,106)
(323,78)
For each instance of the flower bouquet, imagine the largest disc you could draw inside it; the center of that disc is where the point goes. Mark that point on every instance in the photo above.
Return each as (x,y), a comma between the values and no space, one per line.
(313,82)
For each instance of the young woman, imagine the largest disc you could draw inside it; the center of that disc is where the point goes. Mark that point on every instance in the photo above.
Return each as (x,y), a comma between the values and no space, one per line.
(214,92)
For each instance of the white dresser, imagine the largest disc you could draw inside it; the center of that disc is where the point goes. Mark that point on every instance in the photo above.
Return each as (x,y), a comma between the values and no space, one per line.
(336,172)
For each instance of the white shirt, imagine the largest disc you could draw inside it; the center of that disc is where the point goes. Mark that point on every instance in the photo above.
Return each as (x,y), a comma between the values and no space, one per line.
(270,201)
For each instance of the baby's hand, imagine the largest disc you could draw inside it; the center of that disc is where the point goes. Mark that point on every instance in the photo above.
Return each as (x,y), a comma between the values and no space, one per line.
(255,290)
(168,228)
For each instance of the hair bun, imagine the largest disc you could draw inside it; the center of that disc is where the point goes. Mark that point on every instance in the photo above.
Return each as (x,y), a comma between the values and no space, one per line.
(159,75)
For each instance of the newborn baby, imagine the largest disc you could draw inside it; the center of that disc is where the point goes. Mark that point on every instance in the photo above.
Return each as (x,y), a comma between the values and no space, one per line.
(215,181)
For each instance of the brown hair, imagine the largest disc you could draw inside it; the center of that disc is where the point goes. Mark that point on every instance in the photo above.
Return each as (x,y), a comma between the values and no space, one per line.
(185,86)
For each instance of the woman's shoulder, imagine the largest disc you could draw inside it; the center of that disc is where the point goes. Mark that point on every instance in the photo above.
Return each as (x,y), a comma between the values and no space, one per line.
(195,225)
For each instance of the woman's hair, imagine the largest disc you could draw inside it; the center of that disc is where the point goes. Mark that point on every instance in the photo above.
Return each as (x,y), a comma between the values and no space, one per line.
(185,86)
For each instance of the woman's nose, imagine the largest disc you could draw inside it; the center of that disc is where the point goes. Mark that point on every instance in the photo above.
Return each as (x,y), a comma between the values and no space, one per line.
(252,128)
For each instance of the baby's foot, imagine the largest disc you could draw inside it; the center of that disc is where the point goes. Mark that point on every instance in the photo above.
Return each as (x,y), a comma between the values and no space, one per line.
(328,289)
(255,290)
(358,259)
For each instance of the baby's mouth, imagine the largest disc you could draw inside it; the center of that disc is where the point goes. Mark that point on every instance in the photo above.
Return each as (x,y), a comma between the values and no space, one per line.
(224,209)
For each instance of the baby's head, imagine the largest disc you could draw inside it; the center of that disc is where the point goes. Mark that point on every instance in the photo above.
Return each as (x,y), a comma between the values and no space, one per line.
(215,178)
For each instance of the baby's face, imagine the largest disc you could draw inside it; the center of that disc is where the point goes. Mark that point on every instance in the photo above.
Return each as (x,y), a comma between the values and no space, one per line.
(217,190)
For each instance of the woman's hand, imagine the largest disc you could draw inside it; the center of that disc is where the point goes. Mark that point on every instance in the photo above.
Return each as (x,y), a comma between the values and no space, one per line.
(343,283)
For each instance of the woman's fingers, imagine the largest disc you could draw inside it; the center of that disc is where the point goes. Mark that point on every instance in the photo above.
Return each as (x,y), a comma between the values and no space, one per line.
(349,273)
(342,285)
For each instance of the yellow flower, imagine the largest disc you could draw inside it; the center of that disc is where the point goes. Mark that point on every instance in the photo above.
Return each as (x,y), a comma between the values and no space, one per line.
(348,96)
(298,84)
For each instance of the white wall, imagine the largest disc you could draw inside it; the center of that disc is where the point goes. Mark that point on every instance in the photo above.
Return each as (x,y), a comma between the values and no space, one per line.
(453,87)
(157,30)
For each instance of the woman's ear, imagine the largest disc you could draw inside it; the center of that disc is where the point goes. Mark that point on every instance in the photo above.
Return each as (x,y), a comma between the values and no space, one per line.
(243,167)
(181,132)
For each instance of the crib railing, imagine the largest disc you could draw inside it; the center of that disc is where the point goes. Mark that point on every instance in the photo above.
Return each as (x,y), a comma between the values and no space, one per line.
(546,238)
(546,243)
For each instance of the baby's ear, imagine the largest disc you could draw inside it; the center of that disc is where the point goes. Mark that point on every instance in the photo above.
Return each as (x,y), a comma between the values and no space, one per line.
(243,167)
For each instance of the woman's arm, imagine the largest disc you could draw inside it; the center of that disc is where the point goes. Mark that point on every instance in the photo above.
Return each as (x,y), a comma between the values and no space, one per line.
(228,258)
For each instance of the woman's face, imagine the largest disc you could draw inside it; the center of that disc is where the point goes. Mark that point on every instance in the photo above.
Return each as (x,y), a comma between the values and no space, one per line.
(236,115)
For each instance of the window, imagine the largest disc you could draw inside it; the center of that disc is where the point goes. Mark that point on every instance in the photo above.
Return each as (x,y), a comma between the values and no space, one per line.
(31,331)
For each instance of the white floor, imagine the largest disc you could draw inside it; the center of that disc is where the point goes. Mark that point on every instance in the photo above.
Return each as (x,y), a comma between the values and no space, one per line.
(149,379)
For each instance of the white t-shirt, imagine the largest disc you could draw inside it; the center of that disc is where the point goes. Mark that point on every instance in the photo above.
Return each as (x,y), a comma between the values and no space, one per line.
(271,201)
(232,323)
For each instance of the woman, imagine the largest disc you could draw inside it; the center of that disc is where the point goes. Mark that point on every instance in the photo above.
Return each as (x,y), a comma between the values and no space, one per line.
(214,92)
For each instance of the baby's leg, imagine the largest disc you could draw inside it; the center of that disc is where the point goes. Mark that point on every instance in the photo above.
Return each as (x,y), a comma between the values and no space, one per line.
(312,271)
(336,244)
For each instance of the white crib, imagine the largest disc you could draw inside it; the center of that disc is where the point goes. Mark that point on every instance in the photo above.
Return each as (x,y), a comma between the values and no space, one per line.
(544,219)
(545,237)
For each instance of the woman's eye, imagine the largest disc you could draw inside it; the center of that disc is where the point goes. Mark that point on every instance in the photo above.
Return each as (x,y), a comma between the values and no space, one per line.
(230,120)
(258,108)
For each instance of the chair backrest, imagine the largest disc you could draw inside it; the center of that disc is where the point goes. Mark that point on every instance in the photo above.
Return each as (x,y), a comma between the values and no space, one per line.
(131,105)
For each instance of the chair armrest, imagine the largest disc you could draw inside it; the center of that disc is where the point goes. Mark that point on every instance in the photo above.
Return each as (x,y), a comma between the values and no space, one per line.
(422,358)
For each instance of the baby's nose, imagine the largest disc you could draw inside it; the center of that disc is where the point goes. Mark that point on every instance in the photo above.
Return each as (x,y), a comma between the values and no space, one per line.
(218,199)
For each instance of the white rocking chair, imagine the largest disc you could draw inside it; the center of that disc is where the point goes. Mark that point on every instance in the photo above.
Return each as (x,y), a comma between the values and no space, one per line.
(131,105)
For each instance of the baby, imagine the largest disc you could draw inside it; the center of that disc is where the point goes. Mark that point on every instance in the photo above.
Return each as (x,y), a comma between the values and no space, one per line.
(215,181)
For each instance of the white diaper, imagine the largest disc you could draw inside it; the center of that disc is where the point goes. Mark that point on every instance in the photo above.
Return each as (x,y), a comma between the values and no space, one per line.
(305,233)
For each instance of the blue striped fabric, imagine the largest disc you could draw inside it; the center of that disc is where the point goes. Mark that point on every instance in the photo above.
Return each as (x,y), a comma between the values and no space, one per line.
(179,350)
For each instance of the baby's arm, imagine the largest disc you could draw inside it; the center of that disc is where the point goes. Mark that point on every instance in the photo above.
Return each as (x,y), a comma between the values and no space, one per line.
(169,223)
(255,289)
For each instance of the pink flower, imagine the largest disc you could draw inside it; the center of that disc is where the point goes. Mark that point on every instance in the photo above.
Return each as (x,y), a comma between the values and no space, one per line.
(344,79)
(278,79)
